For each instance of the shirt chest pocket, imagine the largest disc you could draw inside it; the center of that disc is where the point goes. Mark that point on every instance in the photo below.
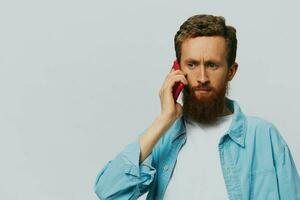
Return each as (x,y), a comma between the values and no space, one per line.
(263,184)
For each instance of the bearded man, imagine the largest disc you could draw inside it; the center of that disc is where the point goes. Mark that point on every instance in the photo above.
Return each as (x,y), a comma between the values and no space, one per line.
(206,148)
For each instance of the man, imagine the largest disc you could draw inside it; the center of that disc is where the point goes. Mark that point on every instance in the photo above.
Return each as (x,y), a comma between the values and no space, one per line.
(207,148)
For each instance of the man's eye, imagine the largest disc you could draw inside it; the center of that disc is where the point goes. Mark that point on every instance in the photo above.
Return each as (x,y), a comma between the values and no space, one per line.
(191,65)
(212,65)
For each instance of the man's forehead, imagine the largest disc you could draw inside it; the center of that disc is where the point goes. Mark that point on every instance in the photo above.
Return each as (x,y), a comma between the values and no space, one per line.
(208,47)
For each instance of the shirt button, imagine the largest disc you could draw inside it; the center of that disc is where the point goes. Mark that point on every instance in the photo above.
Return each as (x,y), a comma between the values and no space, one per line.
(166,167)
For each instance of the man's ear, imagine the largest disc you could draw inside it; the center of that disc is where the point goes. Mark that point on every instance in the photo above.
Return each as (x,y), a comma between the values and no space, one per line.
(231,71)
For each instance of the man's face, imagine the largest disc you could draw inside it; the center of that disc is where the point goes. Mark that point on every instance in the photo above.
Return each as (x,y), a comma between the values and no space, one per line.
(204,61)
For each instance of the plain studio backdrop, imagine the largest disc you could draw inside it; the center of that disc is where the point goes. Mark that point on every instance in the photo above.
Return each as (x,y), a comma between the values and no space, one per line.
(79,80)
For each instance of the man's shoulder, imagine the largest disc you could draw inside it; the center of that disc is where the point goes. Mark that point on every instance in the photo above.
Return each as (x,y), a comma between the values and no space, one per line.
(264,130)
(260,125)
(256,121)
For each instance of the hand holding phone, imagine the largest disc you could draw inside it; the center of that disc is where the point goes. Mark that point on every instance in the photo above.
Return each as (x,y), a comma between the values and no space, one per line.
(174,83)
(178,87)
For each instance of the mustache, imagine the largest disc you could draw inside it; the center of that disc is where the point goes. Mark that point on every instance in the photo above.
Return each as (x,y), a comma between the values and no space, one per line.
(201,87)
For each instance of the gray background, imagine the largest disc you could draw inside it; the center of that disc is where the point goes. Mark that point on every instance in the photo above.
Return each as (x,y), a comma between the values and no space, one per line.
(80,79)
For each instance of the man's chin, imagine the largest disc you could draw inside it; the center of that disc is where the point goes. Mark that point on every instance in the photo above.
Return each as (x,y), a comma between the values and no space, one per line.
(203,107)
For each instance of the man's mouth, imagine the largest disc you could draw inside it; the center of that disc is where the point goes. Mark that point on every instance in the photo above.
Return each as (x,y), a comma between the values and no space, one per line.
(202,91)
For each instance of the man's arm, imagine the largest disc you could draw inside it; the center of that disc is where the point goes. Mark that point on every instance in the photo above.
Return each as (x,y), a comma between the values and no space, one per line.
(130,173)
(286,170)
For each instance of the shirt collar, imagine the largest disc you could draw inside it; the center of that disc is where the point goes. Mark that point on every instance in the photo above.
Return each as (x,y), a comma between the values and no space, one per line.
(237,128)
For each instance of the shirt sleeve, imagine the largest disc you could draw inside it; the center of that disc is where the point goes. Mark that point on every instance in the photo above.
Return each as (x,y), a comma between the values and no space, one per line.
(123,177)
(287,175)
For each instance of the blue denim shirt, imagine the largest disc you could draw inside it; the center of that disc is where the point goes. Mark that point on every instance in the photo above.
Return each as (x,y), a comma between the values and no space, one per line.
(256,163)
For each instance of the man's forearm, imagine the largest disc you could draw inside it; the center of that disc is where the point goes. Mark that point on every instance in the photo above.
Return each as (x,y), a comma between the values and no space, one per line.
(153,134)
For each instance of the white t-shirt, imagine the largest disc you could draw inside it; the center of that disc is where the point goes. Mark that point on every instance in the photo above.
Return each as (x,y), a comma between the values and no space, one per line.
(198,173)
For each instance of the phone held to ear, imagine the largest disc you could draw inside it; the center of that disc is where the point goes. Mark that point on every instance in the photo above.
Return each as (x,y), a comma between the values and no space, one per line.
(178,87)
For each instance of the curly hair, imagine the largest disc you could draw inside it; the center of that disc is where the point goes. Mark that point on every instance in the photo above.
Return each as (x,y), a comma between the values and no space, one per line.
(207,25)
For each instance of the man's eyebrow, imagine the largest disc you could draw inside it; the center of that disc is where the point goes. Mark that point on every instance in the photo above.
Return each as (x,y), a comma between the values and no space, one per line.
(212,61)
(194,61)
(191,60)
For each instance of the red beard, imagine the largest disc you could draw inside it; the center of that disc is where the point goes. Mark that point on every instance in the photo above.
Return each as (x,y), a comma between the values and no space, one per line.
(206,108)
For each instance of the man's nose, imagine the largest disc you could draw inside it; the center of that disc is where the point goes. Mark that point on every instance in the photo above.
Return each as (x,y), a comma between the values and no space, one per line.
(202,75)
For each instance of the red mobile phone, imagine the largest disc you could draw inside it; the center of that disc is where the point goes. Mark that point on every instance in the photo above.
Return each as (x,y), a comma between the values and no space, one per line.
(178,87)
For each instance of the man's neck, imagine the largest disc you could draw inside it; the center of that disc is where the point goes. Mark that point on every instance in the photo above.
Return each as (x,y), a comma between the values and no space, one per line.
(226,111)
